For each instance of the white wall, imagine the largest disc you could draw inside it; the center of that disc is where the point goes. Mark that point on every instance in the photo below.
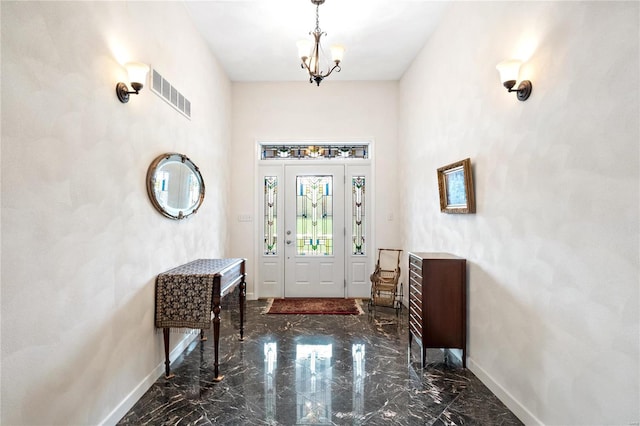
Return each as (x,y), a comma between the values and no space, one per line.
(335,111)
(81,242)
(553,249)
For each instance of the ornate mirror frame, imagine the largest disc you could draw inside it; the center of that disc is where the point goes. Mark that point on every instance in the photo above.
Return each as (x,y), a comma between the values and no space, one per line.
(160,183)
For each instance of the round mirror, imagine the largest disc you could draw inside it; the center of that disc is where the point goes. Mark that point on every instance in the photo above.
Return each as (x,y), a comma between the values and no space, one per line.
(175,185)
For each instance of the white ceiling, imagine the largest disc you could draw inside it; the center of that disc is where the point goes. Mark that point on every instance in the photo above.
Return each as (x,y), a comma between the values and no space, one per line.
(255,40)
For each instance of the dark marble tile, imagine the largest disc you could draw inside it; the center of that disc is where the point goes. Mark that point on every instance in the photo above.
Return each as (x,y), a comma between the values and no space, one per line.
(317,369)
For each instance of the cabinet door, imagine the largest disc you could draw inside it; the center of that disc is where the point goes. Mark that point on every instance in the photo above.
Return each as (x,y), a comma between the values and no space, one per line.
(442,287)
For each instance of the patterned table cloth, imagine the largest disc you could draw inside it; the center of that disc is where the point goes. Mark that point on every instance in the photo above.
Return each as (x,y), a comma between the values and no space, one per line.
(184,294)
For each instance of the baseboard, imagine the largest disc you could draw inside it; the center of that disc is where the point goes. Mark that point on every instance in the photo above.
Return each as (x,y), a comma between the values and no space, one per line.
(129,401)
(503,395)
(251,296)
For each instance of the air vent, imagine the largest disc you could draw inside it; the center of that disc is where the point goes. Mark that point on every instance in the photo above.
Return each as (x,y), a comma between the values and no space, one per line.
(170,94)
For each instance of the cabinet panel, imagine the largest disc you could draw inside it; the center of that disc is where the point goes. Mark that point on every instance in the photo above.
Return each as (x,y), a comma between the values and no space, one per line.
(437,302)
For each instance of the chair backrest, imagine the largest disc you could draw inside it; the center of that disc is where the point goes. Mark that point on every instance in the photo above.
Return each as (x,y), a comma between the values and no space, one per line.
(389,259)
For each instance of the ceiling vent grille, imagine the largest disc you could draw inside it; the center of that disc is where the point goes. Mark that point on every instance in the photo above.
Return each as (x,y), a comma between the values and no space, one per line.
(170,94)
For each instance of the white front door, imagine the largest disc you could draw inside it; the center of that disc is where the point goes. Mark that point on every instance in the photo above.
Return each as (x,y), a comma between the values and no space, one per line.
(314,231)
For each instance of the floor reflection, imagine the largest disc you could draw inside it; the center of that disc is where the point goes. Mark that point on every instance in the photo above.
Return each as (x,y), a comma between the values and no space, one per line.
(270,365)
(313,383)
(316,369)
(357,355)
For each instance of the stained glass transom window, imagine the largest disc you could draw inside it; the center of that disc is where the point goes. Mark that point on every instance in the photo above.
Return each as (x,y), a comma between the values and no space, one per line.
(311,152)
(270,215)
(314,215)
(358,209)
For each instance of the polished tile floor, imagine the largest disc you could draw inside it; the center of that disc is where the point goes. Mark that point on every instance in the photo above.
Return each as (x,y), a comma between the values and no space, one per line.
(317,369)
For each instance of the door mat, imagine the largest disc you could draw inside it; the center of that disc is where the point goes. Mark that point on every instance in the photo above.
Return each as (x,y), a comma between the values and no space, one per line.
(314,306)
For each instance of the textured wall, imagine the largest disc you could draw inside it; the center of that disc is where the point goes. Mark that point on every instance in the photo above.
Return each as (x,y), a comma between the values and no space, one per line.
(81,242)
(335,111)
(553,248)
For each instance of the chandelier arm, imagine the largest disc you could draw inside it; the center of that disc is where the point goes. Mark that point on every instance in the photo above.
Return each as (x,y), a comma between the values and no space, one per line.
(331,70)
(305,66)
(312,76)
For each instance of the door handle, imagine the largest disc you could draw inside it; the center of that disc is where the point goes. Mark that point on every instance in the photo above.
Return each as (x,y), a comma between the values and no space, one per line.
(289,242)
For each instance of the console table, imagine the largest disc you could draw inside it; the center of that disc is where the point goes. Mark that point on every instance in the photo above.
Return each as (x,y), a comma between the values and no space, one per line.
(186,295)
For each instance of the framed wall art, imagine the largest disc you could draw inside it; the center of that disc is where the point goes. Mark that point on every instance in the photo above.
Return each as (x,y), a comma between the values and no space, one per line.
(455,185)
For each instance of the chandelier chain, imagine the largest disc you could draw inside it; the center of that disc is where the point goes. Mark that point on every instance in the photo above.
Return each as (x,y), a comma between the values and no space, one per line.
(317,18)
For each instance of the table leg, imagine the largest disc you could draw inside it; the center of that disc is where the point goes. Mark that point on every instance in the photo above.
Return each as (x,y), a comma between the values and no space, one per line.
(216,338)
(242,297)
(203,338)
(167,369)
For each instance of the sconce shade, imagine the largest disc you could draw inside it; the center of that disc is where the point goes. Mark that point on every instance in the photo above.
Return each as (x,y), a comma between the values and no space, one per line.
(509,71)
(337,53)
(137,77)
(304,48)
(137,72)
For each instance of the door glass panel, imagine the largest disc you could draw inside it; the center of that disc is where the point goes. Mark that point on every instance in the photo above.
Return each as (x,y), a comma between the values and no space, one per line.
(270,215)
(357,209)
(314,215)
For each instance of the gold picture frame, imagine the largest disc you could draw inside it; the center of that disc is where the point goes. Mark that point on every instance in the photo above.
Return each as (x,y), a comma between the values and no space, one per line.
(455,185)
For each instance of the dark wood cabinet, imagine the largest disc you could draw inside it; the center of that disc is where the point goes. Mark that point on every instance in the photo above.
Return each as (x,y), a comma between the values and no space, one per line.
(438,302)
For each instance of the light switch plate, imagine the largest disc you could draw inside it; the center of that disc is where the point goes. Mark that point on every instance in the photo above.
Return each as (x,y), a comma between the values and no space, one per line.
(244,218)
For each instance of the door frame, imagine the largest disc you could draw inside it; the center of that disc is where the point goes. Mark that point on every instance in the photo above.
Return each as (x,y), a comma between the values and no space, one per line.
(357,267)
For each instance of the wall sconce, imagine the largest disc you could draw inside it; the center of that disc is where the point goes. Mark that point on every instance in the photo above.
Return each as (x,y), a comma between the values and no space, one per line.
(137,76)
(509,70)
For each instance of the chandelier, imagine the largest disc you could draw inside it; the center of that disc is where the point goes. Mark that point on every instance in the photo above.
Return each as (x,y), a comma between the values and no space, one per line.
(310,53)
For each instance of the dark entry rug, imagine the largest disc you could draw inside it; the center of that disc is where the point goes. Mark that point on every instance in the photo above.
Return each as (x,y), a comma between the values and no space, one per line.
(314,306)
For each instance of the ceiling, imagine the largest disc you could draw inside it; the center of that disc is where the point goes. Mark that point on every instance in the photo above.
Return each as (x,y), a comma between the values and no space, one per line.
(255,40)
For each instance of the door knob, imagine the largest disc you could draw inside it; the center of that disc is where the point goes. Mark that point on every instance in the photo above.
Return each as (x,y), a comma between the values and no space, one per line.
(289,242)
